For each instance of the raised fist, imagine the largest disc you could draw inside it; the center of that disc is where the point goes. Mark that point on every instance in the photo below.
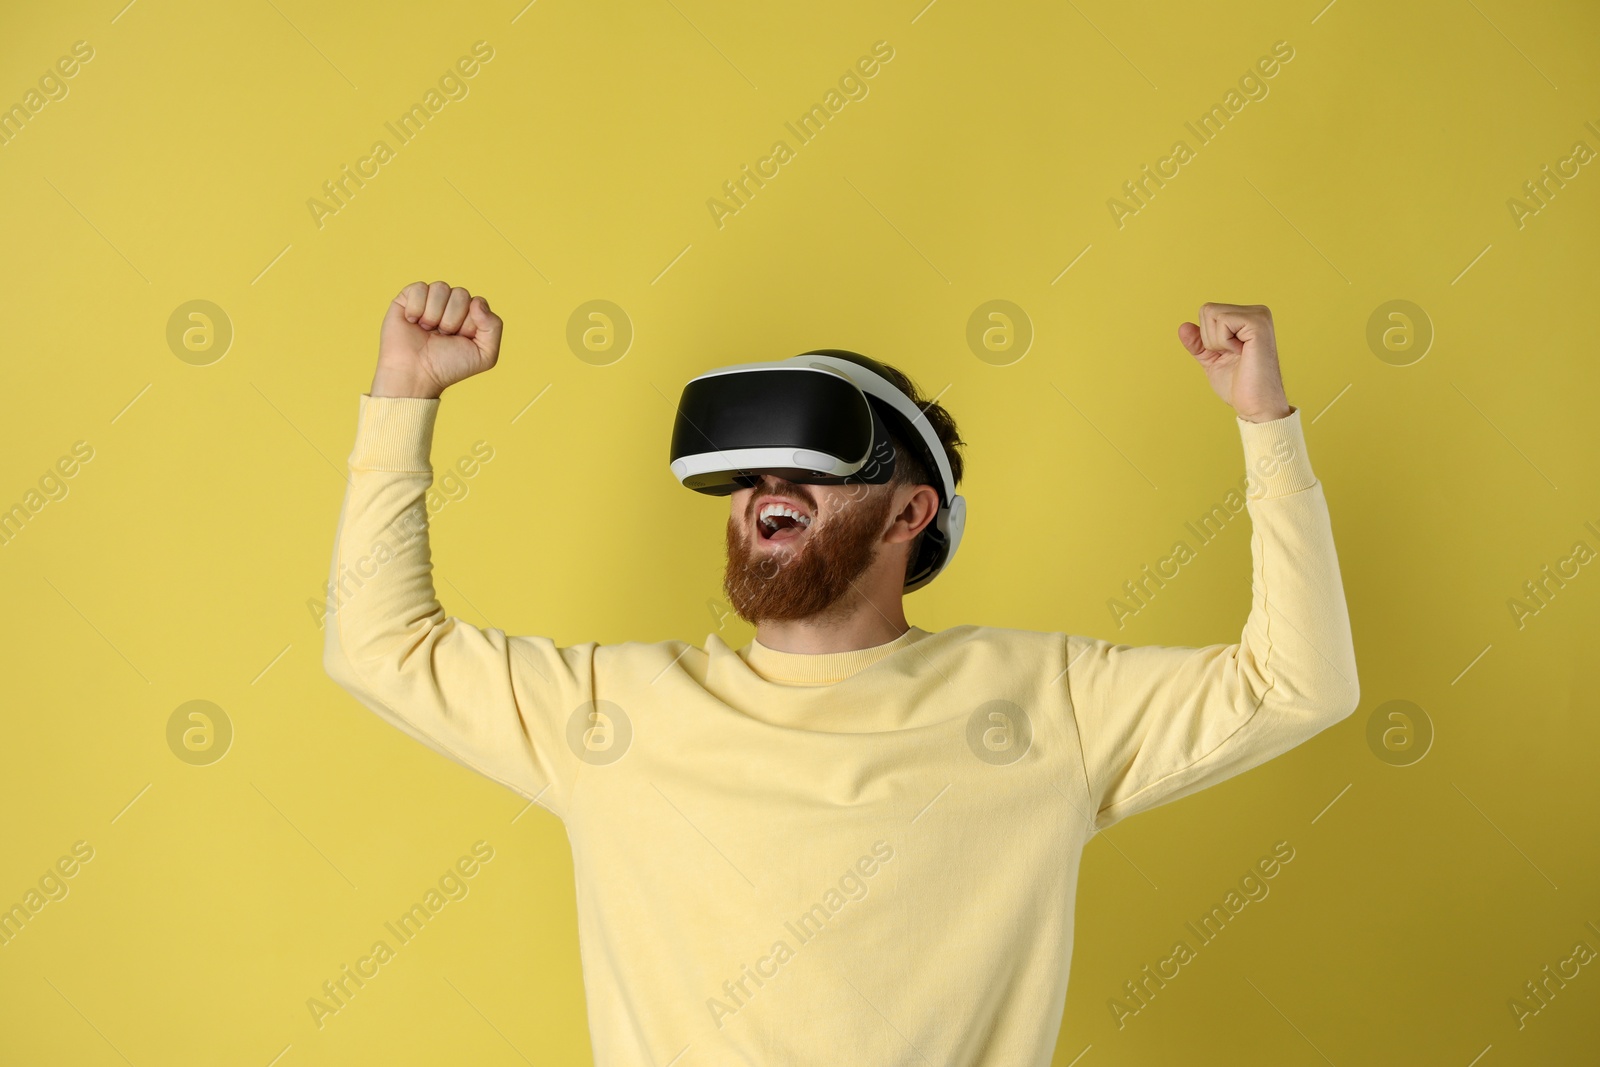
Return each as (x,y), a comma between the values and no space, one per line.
(1235,346)
(434,336)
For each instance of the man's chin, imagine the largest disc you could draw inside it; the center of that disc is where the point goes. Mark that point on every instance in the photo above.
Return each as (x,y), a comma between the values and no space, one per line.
(776,583)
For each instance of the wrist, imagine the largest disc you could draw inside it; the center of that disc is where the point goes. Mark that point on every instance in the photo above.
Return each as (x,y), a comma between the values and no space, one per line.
(390,381)
(1268,414)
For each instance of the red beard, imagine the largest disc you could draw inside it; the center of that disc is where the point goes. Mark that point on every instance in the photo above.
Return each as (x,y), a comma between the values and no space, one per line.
(780,583)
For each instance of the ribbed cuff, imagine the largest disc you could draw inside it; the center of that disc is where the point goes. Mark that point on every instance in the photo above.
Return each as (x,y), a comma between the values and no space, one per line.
(1275,457)
(394,433)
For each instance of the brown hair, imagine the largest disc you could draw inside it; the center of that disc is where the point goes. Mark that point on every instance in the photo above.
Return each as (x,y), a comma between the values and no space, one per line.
(909,467)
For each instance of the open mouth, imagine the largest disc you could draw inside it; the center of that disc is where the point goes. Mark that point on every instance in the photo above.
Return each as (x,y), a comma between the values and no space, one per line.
(780,522)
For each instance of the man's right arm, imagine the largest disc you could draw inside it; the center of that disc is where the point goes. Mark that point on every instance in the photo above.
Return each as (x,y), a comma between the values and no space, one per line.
(496,704)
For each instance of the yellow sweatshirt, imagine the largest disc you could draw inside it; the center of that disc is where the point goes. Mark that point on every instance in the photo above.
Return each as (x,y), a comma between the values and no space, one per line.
(865,857)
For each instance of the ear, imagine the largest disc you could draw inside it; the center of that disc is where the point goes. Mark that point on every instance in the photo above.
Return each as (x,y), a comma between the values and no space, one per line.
(915,506)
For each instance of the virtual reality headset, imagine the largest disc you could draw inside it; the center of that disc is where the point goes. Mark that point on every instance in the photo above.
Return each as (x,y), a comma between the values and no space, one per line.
(813,419)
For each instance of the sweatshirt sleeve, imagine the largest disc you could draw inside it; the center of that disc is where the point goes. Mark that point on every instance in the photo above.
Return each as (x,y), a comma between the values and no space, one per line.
(498,705)
(1157,723)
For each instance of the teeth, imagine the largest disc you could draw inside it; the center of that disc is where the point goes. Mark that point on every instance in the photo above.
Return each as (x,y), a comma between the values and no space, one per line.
(782,509)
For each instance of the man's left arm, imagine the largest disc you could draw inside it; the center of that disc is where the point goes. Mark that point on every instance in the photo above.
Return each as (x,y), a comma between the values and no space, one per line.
(1156,722)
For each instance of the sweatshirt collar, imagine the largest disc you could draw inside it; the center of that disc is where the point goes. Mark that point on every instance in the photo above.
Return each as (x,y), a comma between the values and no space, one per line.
(820,668)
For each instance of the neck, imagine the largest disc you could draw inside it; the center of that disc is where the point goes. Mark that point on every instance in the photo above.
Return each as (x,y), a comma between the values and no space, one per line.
(868,615)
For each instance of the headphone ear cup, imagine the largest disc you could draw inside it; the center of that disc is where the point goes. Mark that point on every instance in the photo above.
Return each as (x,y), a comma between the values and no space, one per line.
(956,521)
(941,538)
(932,551)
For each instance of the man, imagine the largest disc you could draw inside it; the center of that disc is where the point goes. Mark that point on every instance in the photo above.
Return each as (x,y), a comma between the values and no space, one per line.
(852,841)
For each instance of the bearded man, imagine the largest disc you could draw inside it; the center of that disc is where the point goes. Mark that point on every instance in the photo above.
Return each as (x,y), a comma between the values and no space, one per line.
(852,840)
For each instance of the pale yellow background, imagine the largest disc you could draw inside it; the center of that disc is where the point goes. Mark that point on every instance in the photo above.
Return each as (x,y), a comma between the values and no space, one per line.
(180,564)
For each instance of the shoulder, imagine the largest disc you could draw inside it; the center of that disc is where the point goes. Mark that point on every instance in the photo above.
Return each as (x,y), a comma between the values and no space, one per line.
(1001,642)
(643,653)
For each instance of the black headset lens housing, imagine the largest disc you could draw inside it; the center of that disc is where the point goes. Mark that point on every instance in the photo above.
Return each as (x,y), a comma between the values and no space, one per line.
(812,417)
